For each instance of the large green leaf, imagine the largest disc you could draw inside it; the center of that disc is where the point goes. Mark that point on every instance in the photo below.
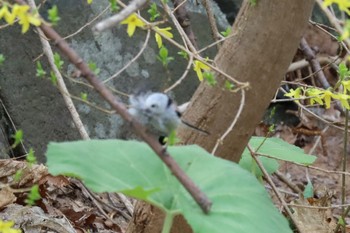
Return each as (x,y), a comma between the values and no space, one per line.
(277,148)
(240,203)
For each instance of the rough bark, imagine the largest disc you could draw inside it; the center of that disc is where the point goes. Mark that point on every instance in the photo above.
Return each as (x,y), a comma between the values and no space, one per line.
(265,39)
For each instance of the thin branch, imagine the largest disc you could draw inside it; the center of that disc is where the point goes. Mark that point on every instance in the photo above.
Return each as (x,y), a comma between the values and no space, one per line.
(274,188)
(307,166)
(344,161)
(238,114)
(304,63)
(184,20)
(319,207)
(184,75)
(88,23)
(315,64)
(285,180)
(215,43)
(116,19)
(185,38)
(212,22)
(132,60)
(60,83)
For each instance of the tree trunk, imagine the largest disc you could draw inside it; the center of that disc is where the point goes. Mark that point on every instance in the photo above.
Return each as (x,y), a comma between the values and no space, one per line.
(265,40)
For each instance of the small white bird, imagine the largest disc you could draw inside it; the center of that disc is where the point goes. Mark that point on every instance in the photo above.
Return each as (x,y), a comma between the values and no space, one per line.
(157,112)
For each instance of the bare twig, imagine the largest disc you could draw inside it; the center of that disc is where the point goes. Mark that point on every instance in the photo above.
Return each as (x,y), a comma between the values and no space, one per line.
(285,180)
(132,60)
(273,186)
(212,22)
(184,20)
(116,19)
(304,63)
(178,82)
(307,166)
(60,83)
(344,161)
(315,64)
(238,114)
(87,24)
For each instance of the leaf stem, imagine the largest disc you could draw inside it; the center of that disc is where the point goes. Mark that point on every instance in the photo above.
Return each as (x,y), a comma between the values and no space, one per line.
(168,222)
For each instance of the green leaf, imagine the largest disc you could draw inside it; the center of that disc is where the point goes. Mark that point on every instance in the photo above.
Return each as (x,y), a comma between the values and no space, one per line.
(163,56)
(57,60)
(163,52)
(94,68)
(253,2)
(18,138)
(210,78)
(114,5)
(309,190)
(153,11)
(33,195)
(40,72)
(18,175)
(53,15)
(183,54)
(53,78)
(228,85)
(227,32)
(277,148)
(31,159)
(341,221)
(83,96)
(115,165)
(2,59)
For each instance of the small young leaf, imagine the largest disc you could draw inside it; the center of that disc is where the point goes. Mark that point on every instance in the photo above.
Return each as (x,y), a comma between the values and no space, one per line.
(31,159)
(309,190)
(33,195)
(153,11)
(94,68)
(18,138)
(53,15)
(40,72)
(57,60)
(227,32)
(228,85)
(183,54)
(83,96)
(253,2)
(209,76)
(18,175)
(114,5)
(163,56)
(341,221)
(53,78)
(2,59)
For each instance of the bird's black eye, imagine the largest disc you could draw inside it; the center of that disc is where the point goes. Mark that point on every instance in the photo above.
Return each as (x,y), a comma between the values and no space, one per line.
(153,105)
(170,101)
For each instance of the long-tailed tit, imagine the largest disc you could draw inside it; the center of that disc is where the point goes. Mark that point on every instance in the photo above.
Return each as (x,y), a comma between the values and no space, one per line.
(157,112)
